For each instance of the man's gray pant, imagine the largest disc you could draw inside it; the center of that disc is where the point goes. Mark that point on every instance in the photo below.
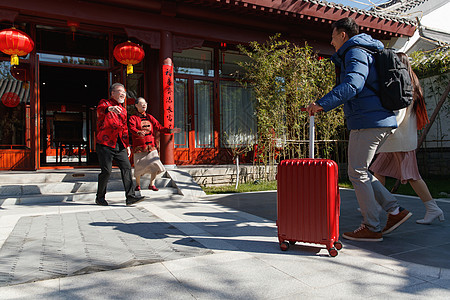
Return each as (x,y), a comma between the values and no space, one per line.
(371,194)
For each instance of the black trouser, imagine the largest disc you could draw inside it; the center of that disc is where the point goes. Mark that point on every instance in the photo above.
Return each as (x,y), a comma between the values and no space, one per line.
(106,155)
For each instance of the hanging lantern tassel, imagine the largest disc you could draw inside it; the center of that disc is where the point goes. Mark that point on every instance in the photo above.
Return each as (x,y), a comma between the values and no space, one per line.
(129,69)
(14,60)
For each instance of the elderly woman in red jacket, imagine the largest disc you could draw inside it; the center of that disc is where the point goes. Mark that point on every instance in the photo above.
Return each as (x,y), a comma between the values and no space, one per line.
(143,128)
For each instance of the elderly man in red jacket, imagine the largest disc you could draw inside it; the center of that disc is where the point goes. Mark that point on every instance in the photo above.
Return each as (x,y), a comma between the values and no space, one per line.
(113,144)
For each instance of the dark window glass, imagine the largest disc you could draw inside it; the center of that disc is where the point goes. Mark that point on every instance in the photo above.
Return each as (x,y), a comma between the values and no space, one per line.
(64,46)
(198,61)
(15,99)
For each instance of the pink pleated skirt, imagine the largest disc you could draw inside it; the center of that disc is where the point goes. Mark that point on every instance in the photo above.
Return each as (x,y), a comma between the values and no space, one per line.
(399,165)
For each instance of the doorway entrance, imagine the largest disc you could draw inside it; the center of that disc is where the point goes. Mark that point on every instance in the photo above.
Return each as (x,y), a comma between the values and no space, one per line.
(68,97)
(194,114)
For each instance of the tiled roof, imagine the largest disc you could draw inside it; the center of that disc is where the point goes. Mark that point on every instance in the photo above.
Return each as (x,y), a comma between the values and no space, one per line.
(17,87)
(378,13)
(398,7)
(319,11)
(296,7)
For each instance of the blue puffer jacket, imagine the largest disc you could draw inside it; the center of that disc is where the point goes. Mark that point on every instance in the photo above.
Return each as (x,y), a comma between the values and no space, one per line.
(362,107)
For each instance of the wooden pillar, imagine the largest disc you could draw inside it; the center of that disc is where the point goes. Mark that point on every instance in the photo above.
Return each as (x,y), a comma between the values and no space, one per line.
(167,104)
(35,108)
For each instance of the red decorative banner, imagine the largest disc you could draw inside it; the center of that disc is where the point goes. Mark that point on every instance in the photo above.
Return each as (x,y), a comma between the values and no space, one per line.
(10,99)
(168,96)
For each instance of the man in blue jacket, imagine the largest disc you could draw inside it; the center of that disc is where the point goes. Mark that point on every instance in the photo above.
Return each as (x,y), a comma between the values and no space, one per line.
(369,124)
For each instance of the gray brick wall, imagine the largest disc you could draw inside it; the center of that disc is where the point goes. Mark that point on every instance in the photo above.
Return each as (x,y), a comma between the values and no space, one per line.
(434,161)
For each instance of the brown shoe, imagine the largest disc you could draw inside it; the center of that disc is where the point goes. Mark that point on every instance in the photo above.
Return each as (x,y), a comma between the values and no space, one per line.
(394,221)
(363,234)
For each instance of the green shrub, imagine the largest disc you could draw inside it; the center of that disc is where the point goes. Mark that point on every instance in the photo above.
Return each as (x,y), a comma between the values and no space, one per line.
(286,78)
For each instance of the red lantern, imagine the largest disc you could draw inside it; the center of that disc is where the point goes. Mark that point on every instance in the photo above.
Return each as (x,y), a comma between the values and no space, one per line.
(73,27)
(10,99)
(129,54)
(15,43)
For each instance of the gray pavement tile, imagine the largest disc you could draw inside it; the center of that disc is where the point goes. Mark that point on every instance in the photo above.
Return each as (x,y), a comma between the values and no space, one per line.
(351,265)
(55,245)
(246,278)
(47,289)
(443,283)
(424,235)
(151,282)
(433,255)
(445,273)
(210,261)
(425,290)
(401,243)
(168,240)
(389,246)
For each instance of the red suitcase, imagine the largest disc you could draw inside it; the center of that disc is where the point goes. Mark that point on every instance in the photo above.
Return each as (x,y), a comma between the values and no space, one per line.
(308,202)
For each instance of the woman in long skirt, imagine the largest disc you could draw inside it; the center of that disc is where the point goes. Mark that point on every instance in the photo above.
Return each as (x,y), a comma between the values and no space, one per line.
(143,128)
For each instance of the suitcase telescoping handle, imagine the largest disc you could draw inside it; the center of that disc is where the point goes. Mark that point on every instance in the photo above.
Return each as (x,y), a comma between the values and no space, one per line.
(311,134)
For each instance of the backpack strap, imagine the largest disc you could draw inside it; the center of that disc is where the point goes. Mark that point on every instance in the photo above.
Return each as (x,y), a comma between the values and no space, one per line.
(371,52)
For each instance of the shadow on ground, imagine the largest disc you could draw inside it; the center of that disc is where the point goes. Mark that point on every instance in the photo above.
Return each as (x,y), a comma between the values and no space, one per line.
(411,242)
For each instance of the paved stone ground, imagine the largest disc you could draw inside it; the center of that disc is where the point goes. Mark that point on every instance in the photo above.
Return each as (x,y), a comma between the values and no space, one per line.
(411,242)
(58,245)
(245,260)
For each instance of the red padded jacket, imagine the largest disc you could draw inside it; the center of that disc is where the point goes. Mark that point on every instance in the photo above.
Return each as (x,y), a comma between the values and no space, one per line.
(110,125)
(147,125)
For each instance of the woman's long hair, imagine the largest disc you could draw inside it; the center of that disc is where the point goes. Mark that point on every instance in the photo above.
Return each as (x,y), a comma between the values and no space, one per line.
(419,103)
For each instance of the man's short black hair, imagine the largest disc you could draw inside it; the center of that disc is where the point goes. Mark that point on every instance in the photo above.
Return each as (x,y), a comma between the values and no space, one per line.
(348,25)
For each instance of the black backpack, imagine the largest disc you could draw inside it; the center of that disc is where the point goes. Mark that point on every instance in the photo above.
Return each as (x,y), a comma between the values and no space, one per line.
(396,90)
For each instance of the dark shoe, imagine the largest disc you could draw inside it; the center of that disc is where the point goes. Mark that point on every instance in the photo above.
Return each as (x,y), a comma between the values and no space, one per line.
(138,188)
(153,188)
(394,221)
(134,200)
(101,202)
(363,234)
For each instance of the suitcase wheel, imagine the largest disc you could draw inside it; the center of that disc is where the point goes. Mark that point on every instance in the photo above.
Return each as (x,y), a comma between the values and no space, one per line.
(338,245)
(284,246)
(333,252)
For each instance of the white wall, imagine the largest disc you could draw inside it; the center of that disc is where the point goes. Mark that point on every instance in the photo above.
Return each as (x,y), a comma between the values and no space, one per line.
(432,15)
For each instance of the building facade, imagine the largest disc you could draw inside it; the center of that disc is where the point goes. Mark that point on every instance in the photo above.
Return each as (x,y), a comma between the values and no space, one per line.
(61,81)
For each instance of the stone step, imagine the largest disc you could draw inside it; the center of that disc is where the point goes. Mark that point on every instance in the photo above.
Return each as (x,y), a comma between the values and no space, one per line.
(45,176)
(18,177)
(80,197)
(34,187)
(28,189)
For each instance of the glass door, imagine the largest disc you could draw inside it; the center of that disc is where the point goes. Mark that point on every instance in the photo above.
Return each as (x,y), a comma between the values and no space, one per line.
(182,117)
(203,114)
(194,115)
